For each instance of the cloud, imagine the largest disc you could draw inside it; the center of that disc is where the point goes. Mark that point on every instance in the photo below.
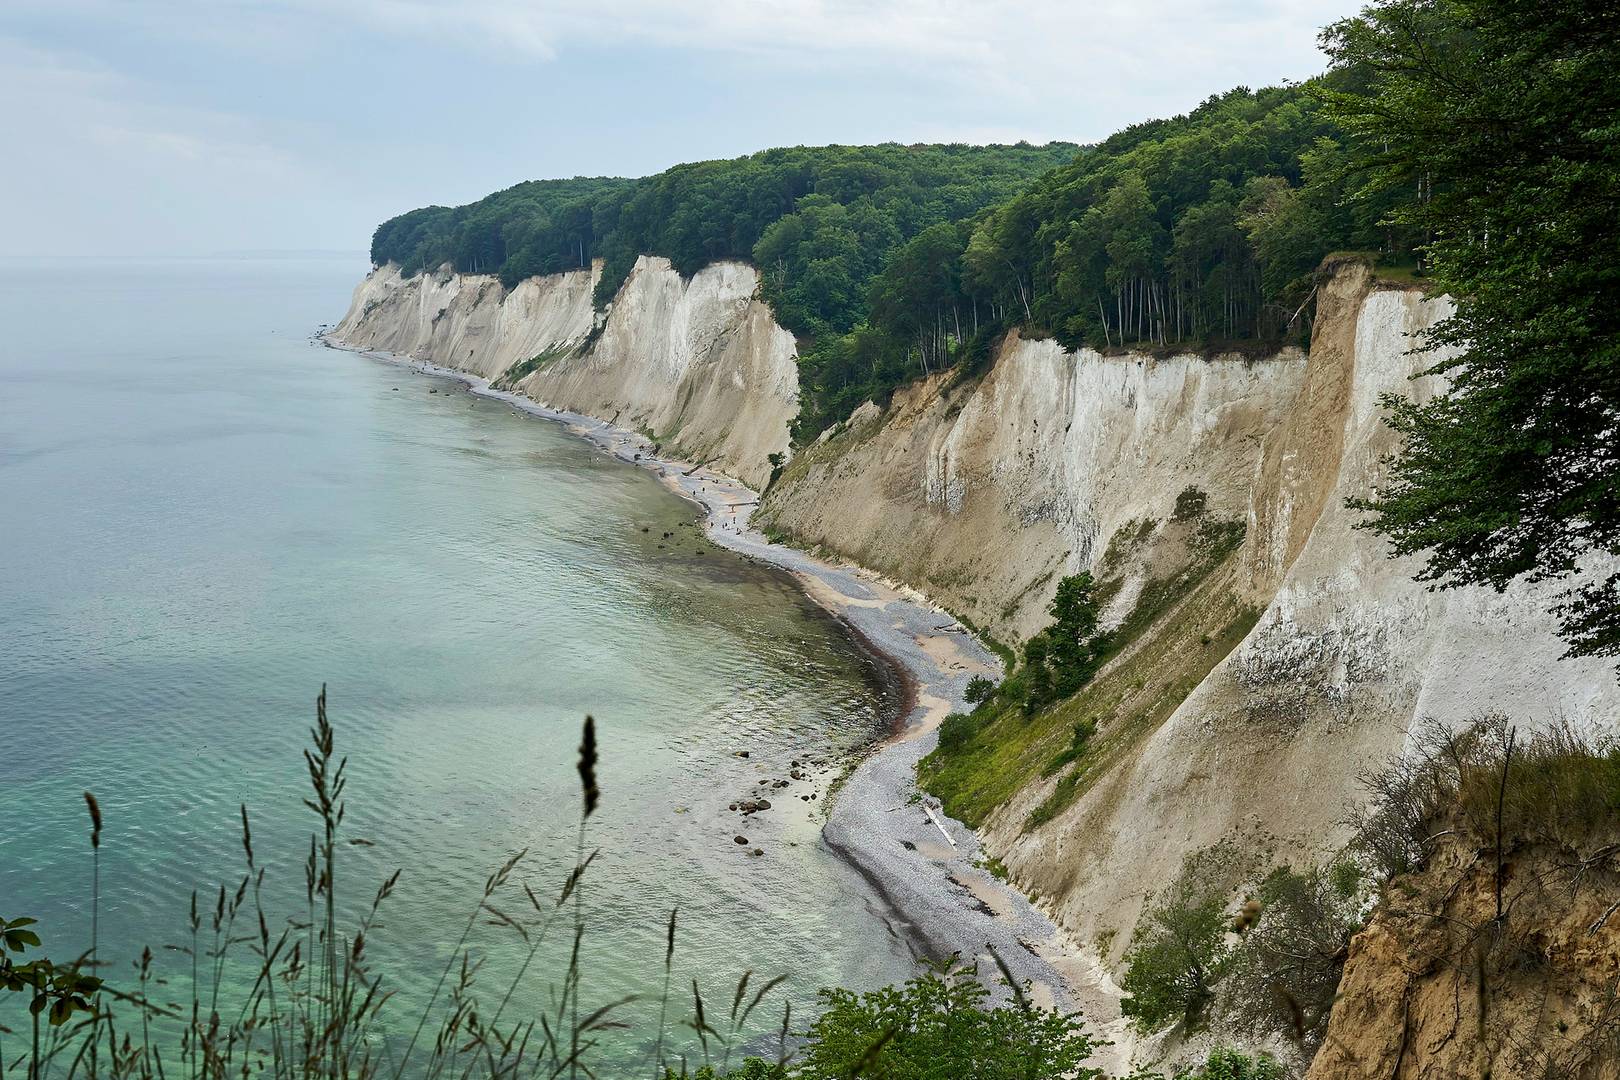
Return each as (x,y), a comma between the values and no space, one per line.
(138,122)
(102,166)
(981,32)
(79,101)
(1081,54)
(1044,43)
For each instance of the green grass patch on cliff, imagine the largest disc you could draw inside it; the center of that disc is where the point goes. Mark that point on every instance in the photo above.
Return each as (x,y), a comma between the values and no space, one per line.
(1178,629)
(1397,269)
(524,368)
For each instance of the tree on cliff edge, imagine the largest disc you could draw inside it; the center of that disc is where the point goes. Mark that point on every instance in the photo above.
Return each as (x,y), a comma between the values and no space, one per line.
(1502,117)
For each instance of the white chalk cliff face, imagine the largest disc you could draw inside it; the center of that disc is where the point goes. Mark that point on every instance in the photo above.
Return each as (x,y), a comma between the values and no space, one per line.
(1298,658)
(984,496)
(698,364)
(1058,462)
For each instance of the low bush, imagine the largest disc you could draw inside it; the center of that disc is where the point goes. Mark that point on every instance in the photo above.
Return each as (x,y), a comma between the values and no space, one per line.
(1296,938)
(1178,950)
(1225,1063)
(957,730)
(978,690)
(942,1024)
(1190,503)
(1556,785)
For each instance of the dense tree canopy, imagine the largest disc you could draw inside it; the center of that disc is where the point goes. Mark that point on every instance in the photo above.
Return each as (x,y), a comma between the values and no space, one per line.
(1197,230)
(538,227)
(1504,117)
(818,221)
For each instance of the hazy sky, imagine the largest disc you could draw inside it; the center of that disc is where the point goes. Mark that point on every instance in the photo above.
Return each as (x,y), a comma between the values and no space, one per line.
(199,126)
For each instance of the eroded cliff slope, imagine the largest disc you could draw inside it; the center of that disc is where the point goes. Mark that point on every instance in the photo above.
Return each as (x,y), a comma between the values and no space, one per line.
(1273,651)
(696,363)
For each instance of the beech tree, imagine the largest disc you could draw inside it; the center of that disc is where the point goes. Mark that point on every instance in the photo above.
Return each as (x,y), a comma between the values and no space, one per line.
(1500,119)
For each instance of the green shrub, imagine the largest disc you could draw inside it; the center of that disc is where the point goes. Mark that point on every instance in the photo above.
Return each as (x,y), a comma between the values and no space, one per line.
(750,1069)
(1190,503)
(522,369)
(1177,953)
(1063,657)
(979,689)
(942,1025)
(957,730)
(1225,1063)
(1285,975)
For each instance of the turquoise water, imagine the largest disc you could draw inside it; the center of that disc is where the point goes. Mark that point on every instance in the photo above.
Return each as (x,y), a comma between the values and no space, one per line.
(204,516)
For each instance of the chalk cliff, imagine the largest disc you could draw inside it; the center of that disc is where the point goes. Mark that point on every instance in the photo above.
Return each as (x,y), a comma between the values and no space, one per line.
(1276,652)
(697,363)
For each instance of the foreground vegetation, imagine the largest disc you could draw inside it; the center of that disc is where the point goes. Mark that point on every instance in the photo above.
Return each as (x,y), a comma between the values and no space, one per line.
(298,996)
(1216,947)
(1523,827)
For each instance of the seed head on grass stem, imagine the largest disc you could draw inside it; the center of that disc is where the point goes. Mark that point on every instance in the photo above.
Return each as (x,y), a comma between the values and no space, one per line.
(587,766)
(95,819)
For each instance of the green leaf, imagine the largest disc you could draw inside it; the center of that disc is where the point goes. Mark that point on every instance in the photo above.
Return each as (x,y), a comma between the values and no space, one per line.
(18,940)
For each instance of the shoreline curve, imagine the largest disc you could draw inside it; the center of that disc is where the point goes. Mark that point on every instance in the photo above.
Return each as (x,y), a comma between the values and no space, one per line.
(925,872)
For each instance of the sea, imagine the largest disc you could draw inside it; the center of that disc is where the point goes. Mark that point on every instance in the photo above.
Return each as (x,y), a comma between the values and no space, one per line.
(207,516)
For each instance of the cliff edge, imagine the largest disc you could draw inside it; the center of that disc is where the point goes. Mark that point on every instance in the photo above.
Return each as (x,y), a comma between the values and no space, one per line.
(696,363)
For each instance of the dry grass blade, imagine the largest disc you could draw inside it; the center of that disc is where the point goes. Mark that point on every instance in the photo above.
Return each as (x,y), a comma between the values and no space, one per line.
(574,877)
(1007,975)
(95,819)
(699,1024)
(759,996)
(869,1057)
(598,1018)
(503,919)
(781,1041)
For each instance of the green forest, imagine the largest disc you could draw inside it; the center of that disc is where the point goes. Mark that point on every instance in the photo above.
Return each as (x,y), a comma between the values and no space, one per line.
(1197,231)
(820,222)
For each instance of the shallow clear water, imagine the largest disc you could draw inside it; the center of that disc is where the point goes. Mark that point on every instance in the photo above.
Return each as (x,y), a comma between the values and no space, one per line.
(203,517)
